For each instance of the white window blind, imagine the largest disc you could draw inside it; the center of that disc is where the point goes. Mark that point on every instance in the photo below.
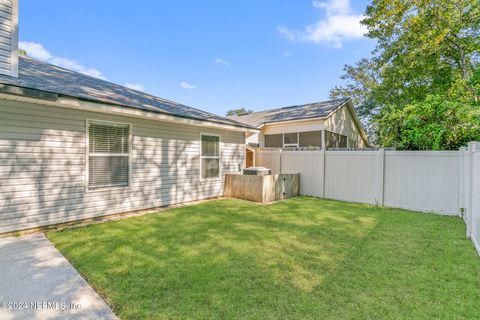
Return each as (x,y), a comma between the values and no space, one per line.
(108,155)
(210,156)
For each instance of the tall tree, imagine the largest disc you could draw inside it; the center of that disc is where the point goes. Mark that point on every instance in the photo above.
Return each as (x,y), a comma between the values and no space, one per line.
(427,56)
(360,80)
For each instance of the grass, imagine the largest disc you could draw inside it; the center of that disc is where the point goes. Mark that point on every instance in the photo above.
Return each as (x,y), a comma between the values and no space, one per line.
(303,258)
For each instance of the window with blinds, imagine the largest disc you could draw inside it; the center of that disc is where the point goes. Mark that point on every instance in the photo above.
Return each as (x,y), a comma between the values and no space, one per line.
(210,156)
(108,155)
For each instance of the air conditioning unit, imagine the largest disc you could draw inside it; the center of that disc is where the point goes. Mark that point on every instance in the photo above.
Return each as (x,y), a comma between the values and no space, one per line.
(257,171)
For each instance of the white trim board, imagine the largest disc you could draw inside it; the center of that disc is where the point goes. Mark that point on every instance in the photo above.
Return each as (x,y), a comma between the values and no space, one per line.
(72,103)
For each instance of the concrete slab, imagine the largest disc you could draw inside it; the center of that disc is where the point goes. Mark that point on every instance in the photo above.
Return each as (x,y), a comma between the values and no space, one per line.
(37,282)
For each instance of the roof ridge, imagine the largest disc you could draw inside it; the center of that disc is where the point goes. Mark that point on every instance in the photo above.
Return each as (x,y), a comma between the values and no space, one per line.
(107,81)
(295,106)
(95,78)
(296,112)
(69,70)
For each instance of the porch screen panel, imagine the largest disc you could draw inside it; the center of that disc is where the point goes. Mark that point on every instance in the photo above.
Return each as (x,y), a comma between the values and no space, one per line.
(335,140)
(274,140)
(310,139)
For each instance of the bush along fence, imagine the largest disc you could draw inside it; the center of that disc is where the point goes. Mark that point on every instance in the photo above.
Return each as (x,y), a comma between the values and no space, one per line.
(442,182)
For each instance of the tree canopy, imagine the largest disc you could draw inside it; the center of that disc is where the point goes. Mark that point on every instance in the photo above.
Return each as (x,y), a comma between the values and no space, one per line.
(421,87)
(238,112)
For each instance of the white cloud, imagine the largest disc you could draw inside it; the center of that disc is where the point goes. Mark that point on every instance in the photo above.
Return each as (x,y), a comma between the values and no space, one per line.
(222,62)
(185,85)
(75,66)
(38,52)
(134,86)
(35,50)
(339,24)
(287,33)
(333,6)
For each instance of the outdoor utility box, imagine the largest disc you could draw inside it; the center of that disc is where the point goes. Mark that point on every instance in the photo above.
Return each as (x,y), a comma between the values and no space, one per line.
(261,185)
(257,171)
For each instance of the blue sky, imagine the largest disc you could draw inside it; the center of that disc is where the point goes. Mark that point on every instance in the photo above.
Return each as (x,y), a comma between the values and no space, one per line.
(213,55)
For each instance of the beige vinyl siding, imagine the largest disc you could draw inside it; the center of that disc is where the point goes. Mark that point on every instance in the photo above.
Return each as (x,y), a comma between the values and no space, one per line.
(43,163)
(294,126)
(342,122)
(254,138)
(8,37)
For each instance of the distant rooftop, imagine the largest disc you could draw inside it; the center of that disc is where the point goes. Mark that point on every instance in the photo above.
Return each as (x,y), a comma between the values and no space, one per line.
(304,111)
(33,74)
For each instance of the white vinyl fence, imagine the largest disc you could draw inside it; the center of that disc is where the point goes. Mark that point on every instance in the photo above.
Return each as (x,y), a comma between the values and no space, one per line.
(470,191)
(444,182)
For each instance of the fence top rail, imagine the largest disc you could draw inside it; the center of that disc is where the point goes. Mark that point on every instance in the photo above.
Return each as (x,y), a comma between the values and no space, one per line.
(366,152)
(277,152)
(419,153)
(359,149)
(288,149)
(316,149)
(350,152)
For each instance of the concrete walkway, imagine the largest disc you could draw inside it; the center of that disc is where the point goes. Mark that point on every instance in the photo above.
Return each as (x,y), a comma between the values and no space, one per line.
(37,282)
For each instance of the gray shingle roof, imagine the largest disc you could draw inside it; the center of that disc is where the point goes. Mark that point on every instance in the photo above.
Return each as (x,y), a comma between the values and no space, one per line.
(42,76)
(305,111)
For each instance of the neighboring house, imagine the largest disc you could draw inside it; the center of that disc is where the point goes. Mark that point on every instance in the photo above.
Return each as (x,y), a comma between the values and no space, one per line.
(75,147)
(326,124)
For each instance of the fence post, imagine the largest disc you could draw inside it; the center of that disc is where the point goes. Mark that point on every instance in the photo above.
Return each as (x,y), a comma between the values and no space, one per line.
(322,171)
(461,182)
(381,176)
(469,204)
(323,140)
(280,161)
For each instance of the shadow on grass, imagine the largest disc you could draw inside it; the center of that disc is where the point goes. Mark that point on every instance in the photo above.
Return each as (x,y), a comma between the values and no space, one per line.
(300,258)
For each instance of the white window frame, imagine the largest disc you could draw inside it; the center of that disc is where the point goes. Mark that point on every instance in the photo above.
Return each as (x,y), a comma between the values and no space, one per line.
(210,157)
(88,154)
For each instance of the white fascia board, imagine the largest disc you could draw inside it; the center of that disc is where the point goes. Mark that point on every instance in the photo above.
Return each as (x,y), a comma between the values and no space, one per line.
(292,121)
(72,103)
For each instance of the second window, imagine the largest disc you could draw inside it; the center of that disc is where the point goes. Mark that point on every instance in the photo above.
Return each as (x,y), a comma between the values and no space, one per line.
(210,156)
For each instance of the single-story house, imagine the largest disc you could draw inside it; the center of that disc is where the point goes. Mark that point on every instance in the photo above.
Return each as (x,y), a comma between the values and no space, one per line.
(323,125)
(75,147)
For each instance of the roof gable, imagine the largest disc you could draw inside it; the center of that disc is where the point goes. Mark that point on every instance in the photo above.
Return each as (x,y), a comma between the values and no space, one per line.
(299,112)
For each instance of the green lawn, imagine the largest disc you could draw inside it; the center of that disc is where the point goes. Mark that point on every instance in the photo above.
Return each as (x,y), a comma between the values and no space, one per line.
(303,258)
